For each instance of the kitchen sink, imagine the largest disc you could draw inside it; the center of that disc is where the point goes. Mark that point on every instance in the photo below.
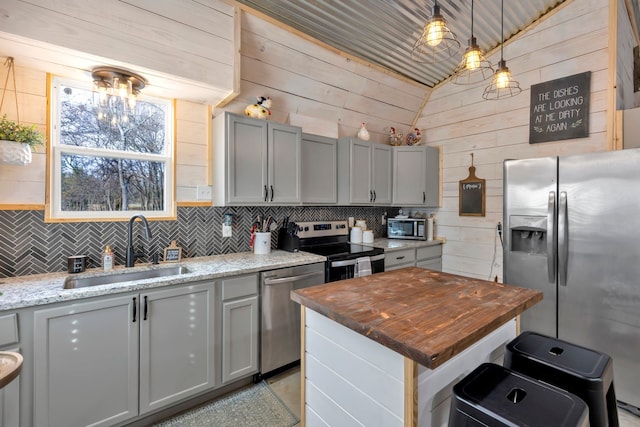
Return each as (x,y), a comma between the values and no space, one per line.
(73,282)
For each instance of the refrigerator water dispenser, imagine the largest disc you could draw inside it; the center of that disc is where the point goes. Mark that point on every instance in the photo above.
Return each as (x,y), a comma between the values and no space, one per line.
(528,234)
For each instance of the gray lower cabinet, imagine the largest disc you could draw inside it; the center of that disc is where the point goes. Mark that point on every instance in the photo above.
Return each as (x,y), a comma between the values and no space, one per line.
(425,257)
(86,363)
(240,314)
(95,361)
(177,332)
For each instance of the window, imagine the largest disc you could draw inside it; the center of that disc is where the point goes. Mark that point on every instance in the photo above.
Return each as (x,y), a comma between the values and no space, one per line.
(108,160)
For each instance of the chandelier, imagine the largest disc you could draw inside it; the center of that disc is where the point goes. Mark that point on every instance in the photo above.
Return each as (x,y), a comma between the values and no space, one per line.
(118,91)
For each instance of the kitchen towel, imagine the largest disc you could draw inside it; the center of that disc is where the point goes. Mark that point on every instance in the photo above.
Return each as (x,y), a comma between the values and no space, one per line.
(362,267)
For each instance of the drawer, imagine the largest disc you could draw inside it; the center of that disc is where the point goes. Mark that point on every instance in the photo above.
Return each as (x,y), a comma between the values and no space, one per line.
(431,264)
(405,256)
(235,287)
(9,329)
(427,252)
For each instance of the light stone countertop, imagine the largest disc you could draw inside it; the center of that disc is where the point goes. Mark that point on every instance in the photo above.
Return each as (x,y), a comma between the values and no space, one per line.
(390,245)
(41,289)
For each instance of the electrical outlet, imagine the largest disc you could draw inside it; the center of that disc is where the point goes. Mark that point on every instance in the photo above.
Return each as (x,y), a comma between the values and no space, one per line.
(226,231)
(499,228)
(204,192)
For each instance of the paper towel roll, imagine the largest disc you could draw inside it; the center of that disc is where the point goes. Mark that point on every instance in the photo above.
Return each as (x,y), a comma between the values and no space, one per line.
(430,228)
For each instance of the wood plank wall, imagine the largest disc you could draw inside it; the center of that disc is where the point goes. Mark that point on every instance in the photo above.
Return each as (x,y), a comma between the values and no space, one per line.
(572,40)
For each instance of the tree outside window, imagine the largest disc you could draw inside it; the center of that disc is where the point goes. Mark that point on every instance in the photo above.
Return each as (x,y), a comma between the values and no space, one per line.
(109,160)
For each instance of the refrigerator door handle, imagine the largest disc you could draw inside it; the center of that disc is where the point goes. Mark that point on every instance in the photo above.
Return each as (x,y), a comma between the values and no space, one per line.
(551,237)
(563,239)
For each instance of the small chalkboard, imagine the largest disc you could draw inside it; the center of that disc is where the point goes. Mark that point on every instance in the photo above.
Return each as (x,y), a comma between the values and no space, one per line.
(560,109)
(472,194)
(173,253)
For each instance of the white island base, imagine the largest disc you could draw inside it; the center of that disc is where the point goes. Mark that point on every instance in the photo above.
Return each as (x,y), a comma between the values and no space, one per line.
(351,380)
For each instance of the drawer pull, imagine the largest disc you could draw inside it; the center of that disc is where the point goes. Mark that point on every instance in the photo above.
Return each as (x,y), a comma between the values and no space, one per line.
(400,257)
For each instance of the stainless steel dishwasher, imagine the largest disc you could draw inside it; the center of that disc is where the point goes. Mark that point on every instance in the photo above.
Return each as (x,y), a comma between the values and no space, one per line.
(280,318)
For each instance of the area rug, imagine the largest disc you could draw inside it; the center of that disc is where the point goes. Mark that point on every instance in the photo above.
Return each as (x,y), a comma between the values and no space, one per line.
(256,405)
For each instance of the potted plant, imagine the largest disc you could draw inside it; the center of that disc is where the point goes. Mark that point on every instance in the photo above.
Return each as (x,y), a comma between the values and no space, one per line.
(17,141)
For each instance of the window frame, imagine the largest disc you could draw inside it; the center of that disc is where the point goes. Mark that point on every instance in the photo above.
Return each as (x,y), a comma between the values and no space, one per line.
(53,211)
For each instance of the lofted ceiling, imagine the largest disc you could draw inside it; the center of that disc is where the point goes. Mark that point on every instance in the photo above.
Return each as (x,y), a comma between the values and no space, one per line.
(382,32)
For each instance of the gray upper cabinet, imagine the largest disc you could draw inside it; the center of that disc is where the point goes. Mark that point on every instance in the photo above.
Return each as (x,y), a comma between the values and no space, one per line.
(177,332)
(86,363)
(364,172)
(319,169)
(255,162)
(416,176)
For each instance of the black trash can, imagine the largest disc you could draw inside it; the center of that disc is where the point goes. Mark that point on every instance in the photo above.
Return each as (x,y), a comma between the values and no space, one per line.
(493,395)
(584,372)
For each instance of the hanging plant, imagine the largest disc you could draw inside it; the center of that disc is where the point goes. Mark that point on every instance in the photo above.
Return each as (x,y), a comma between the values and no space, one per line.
(16,140)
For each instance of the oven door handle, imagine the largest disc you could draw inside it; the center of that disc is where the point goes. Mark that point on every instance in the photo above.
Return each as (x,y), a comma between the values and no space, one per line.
(270,281)
(349,262)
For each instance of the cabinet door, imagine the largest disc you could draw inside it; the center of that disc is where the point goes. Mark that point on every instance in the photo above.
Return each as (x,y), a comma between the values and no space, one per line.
(176,344)
(284,153)
(319,169)
(247,180)
(409,176)
(86,363)
(360,158)
(381,173)
(10,401)
(239,338)
(432,177)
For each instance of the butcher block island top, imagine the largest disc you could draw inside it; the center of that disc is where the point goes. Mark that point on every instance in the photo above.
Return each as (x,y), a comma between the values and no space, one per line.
(425,315)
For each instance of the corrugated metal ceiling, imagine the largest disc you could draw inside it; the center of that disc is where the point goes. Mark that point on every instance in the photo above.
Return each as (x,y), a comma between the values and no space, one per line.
(383,31)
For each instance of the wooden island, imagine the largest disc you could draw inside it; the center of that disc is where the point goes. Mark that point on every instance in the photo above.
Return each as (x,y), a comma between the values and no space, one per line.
(386,349)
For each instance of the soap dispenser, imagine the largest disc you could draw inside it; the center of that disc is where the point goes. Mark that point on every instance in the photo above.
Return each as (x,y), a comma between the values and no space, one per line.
(107,258)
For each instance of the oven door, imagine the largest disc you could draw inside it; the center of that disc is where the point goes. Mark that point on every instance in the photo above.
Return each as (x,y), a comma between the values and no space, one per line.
(344,269)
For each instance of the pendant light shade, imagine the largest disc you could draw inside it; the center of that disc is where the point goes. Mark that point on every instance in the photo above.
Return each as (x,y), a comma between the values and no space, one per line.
(437,42)
(503,85)
(473,67)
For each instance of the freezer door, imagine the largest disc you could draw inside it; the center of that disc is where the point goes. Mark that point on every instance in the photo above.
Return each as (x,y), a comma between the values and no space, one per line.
(529,258)
(599,303)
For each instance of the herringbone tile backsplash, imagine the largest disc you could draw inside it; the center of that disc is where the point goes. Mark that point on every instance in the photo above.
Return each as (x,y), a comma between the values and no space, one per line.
(28,245)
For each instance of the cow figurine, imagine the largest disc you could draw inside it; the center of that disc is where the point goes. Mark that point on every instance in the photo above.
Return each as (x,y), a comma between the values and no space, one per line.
(259,110)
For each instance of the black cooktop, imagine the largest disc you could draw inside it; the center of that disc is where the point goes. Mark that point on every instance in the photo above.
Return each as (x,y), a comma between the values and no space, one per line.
(343,250)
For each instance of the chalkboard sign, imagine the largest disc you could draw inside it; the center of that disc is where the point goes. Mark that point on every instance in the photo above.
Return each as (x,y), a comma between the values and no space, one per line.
(560,109)
(472,195)
(173,253)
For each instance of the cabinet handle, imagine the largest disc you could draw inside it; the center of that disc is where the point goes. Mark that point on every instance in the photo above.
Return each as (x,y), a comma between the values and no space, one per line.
(370,196)
(145,308)
(398,257)
(135,305)
(374,195)
(271,193)
(424,197)
(266,193)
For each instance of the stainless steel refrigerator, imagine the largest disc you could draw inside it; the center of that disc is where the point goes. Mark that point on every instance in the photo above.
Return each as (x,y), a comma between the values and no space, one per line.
(572,231)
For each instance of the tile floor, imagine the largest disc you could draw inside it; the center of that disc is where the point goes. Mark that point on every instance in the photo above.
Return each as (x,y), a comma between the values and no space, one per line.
(287,386)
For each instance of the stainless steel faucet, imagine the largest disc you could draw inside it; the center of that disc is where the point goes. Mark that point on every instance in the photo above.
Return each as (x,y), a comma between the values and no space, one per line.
(131,255)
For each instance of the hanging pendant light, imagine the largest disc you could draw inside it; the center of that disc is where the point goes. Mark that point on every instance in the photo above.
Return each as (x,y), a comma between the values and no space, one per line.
(437,42)
(473,68)
(503,84)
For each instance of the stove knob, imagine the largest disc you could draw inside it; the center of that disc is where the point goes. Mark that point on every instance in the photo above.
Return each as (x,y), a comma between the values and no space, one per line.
(305,229)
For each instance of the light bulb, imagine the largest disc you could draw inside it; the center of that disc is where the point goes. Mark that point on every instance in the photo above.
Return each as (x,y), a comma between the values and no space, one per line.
(472,59)
(132,101)
(122,90)
(502,78)
(434,32)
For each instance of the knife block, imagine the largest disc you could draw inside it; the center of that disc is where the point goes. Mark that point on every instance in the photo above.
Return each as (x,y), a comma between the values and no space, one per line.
(288,242)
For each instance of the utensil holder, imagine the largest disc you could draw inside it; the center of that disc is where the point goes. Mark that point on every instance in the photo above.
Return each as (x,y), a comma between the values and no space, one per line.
(262,243)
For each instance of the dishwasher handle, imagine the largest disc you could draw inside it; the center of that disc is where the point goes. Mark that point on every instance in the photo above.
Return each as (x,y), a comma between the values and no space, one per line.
(274,281)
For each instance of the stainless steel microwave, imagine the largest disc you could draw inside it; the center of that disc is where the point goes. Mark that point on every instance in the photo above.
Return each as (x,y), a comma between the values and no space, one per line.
(407,228)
